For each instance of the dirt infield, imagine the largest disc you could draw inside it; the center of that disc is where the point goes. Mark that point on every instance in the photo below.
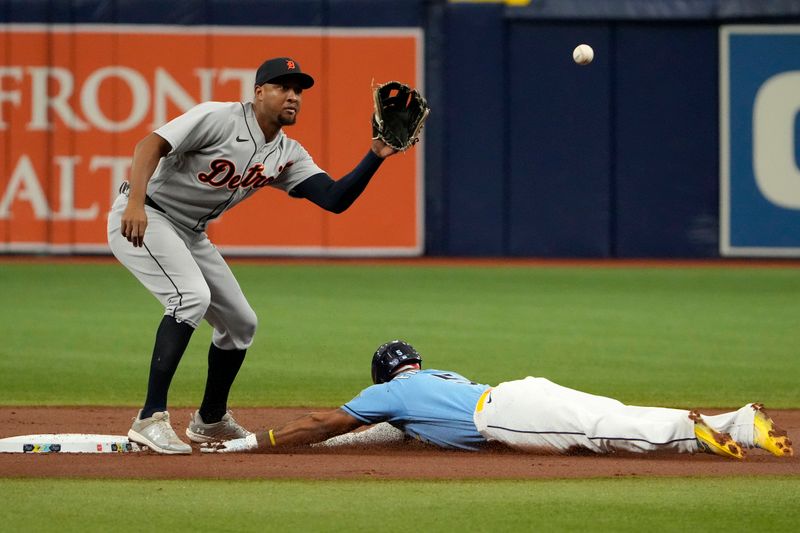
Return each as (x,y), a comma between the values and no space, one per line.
(408,462)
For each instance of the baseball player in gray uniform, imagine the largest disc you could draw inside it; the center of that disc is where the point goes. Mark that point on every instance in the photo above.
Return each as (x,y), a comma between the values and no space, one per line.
(184,175)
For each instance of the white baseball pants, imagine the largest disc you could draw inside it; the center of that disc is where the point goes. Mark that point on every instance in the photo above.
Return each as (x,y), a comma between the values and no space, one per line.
(535,414)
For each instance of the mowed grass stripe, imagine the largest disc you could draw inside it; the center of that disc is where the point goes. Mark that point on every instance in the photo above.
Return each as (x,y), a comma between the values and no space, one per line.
(656,504)
(683,337)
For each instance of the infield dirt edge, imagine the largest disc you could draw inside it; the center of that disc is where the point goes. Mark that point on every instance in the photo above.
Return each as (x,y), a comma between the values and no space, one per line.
(409,462)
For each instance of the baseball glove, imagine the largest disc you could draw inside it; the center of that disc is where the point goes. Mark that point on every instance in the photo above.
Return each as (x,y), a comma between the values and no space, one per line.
(400,113)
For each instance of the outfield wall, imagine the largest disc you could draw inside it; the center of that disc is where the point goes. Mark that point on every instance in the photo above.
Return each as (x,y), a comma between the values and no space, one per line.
(629,156)
(525,153)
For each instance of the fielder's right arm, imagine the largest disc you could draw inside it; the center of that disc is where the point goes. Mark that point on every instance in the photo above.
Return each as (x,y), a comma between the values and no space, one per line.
(146,156)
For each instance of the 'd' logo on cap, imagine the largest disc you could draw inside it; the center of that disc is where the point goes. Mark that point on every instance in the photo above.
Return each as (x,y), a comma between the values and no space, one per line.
(290,64)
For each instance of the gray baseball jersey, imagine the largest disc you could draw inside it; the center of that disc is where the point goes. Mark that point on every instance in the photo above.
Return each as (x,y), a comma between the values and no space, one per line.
(219,157)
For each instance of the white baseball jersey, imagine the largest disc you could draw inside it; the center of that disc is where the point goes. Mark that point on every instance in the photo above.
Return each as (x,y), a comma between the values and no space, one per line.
(219,157)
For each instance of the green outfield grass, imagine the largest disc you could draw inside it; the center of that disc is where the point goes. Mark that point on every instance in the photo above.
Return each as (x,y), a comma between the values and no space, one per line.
(713,504)
(82,334)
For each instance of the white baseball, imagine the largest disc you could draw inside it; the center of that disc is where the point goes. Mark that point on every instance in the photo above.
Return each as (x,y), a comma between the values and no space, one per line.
(583,54)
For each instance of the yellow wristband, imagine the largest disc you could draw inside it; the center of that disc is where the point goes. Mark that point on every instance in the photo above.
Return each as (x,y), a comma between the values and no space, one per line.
(272,437)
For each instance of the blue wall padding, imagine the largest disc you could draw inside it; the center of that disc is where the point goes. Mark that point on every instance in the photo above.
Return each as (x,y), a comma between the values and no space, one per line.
(88,12)
(380,12)
(181,12)
(376,13)
(345,13)
(667,168)
(435,129)
(32,11)
(474,154)
(655,9)
(268,12)
(558,129)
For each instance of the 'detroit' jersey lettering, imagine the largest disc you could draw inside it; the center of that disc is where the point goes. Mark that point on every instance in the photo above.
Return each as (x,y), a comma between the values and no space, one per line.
(219,157)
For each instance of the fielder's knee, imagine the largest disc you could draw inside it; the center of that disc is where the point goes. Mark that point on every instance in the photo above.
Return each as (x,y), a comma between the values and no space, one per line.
(189,304)
(239,333)
(246,330)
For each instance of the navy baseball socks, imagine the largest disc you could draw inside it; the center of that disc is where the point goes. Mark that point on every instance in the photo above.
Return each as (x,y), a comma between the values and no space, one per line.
(172,338)
(151,427)
(223,366)
(213,422)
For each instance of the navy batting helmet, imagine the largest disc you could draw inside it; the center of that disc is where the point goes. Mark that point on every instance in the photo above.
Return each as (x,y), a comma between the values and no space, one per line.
(391,356)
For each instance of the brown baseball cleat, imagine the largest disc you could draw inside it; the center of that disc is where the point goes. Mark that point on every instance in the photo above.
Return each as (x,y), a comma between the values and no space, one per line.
(710,440)
(768,436)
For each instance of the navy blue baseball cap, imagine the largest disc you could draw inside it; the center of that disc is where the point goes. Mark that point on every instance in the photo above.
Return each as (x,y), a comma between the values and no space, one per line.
(279,69)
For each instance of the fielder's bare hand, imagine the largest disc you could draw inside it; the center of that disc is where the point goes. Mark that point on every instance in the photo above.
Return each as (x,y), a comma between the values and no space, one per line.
(133,224)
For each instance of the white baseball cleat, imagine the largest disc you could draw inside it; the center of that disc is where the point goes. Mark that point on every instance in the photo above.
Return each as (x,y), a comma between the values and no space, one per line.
(226,429)
(157,434)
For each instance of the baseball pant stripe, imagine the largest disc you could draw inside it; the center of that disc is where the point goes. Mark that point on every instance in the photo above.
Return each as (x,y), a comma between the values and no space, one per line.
(535,413)
(667,443)
(180,295)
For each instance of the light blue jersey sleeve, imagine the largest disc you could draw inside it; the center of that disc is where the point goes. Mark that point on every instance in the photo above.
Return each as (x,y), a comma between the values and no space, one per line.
(375,404)
(433,406)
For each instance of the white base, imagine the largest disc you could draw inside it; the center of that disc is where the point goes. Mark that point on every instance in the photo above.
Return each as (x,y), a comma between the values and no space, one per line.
(68,443)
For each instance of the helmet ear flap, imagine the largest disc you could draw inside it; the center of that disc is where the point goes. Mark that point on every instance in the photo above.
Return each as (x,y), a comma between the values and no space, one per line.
(390,356)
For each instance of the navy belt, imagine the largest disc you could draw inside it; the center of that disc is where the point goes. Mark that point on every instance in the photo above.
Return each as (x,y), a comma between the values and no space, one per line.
(152,203)
(125,188)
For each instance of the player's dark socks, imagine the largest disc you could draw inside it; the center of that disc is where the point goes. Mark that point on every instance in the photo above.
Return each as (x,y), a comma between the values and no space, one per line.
(172,338)
(223,365)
